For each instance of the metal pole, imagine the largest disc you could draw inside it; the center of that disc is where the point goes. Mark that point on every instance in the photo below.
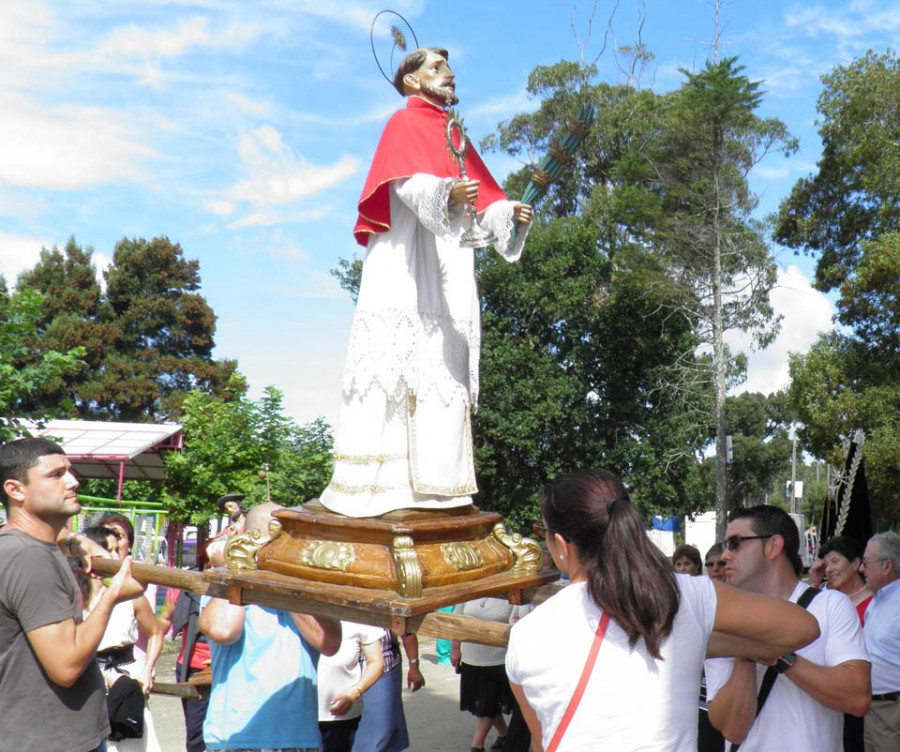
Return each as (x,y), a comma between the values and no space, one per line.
(794,476)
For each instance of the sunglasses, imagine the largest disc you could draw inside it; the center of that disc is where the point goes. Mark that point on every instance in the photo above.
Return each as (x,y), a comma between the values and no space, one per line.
(733,543)
(715,564)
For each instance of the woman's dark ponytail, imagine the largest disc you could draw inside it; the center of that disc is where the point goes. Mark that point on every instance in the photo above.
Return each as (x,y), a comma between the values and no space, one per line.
(627,575)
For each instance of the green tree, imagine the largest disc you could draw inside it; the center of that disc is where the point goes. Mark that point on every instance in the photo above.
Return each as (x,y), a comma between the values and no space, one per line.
(663,180)
(853,195)
(838,387)
(717,265)
(570,368)
(759,427)
(73,314)
(847,215)
(19,314)
(221,455)
(228,442)
(148,339)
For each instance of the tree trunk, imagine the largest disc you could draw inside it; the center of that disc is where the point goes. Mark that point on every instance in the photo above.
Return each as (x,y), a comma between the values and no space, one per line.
(719,366)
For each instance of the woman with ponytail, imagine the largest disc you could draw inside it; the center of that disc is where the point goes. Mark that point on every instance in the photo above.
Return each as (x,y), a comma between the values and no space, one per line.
(613,660)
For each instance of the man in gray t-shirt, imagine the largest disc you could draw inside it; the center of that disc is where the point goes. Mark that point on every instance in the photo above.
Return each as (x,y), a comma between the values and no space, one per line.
(52,697)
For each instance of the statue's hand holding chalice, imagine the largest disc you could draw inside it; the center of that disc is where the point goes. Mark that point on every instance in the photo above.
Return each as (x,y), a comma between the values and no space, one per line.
(457,142)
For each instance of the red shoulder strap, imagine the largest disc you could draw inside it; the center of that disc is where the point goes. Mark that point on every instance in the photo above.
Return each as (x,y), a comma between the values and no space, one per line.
(582,683)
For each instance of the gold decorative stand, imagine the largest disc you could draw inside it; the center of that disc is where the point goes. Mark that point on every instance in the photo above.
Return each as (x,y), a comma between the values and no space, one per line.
(391,571)
(409,552)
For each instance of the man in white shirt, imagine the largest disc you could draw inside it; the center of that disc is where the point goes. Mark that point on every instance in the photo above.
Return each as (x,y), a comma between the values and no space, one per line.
(881,565)
(817,683)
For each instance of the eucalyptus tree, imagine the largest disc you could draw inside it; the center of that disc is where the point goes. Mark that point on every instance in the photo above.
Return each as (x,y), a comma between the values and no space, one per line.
(846,215)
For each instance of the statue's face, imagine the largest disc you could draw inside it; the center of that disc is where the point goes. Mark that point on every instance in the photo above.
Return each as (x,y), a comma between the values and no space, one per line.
(436,80)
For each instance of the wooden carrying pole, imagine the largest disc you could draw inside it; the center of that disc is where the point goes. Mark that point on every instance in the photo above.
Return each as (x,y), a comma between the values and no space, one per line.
(433,624)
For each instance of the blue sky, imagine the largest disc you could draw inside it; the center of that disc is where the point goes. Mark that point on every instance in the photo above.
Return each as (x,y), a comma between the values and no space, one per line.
(242,129)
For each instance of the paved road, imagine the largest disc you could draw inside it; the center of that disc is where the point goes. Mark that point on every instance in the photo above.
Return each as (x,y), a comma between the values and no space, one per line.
(432,714)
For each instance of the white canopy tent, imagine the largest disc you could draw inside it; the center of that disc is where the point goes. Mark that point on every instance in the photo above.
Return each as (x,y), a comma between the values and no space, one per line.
(121,451)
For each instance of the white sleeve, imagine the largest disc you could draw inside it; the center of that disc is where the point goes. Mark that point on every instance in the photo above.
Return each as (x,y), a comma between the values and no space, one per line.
(512,662)
(699,594)
(428,198)
(367,633)
(498,218)
(718,672)
(844,638)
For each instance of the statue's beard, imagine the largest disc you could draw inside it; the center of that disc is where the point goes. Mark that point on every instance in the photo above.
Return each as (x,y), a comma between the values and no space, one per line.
(439,93)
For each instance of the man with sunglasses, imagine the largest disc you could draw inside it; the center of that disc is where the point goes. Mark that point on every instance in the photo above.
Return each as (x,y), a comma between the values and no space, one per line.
(812,687)
(881,566)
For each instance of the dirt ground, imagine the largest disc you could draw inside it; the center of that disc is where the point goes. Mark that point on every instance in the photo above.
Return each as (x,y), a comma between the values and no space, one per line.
(432,714)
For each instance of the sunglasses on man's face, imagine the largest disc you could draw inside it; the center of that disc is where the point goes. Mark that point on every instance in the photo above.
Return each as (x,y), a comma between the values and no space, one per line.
(733,543)
(715,564)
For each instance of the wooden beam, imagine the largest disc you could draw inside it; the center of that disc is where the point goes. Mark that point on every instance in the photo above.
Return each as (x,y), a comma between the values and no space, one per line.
(183,690)
(374,607)
(183,579)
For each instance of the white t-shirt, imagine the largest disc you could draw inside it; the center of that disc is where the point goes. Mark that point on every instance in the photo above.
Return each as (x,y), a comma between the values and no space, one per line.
(488,609)
(791,719)
(339,672)
(632,701)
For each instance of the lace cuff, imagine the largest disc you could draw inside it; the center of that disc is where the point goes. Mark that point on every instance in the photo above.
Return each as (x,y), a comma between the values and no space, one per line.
(498,217)
(428,197)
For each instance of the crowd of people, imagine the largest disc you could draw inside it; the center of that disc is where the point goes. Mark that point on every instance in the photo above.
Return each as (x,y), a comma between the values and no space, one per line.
(614,659)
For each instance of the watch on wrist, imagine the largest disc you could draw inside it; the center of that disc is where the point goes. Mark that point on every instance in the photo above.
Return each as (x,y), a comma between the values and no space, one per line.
(785,662)
(414,661)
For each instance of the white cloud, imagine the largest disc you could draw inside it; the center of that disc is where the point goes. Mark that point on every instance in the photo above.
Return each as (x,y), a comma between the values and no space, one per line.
(65,147)
(807,313)
(855,21)
(770,173)
(222,208)
(18,253)
(505,106)
(311,385)
(134,41)
(276,176)
(247,106)
(24,206)
(268,217)
(316,285)
(281,246)
(102,262)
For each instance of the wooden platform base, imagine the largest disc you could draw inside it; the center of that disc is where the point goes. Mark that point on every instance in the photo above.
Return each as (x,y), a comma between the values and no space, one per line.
(408,552)
(366,605)
(384,608)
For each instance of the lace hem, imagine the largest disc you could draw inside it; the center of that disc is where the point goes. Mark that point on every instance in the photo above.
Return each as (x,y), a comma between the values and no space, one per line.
(395,350)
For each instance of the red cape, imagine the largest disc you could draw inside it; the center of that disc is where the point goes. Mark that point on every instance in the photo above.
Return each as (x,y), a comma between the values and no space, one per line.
(415,141)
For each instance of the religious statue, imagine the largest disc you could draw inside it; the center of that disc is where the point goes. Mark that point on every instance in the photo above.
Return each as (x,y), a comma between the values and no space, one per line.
(404,438)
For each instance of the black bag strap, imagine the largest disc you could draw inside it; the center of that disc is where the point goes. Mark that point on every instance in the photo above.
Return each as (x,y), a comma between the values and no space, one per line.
(772,673)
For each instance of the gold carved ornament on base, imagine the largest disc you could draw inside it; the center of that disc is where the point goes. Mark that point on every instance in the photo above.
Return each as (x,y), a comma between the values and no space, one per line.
(462,556)
(527,552)
(241,550)
(409,573)
(332,555)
